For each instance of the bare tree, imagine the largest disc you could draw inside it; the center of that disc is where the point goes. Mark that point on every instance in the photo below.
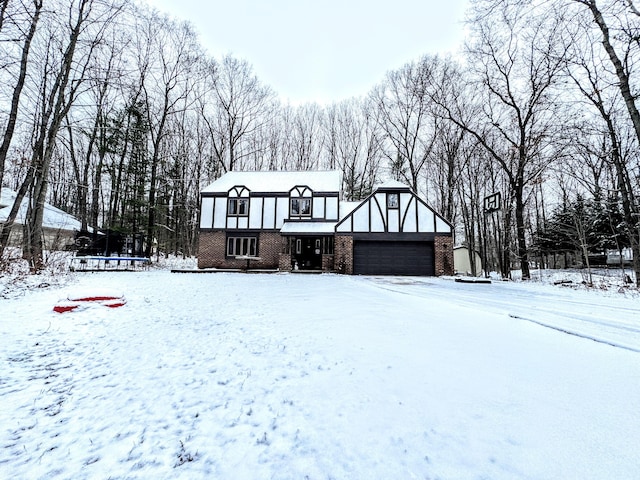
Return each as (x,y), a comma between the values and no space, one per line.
(616,22)
(403,114)
(90,137)
(3,11)
(62,80)
(238,109)
(18,80)
(353,145)
(620,56)
(283,145)
(515,66)
(306,137)
(622,51)
(165,88)
(446,163)
(470,190)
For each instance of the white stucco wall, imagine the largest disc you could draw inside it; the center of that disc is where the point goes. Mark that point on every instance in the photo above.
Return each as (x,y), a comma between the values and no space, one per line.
(206,213)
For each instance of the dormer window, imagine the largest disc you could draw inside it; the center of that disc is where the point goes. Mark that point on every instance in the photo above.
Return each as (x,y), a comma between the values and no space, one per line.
(301,206)
(238,207)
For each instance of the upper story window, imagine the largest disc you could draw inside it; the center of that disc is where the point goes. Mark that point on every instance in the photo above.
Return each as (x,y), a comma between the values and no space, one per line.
(301,206)
(238,207)
(238,203)
(392,200)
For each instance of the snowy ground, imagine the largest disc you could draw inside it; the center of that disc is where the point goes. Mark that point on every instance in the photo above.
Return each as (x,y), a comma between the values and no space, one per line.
(289,376)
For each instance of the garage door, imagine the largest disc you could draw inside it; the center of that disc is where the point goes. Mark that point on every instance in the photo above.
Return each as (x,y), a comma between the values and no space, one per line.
(393,258)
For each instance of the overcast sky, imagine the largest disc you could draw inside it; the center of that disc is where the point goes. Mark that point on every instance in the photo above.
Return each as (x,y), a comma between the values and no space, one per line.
(323,50)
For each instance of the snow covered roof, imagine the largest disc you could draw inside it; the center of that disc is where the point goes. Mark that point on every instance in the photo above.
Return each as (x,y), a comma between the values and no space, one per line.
(53,217)
(392,185)
(308,227)
(277,182)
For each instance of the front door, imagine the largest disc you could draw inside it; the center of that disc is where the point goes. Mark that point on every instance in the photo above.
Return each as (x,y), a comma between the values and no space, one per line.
(308,253)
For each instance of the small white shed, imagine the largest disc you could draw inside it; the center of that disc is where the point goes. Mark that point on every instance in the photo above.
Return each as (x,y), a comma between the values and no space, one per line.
(462,261)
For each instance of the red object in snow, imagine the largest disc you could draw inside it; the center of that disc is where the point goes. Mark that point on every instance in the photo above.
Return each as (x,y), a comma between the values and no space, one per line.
(64,308)
(116,304)
(100,298)
(73,303)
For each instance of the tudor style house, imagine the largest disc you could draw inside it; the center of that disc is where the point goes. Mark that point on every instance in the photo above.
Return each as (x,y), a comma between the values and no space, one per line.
(297,221)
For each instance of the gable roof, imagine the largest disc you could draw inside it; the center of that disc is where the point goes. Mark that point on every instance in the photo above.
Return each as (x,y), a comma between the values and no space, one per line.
(277,182)
(374,208)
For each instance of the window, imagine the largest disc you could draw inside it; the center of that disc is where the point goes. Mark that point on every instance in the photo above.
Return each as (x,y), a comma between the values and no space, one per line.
(328,246)
(242,246)
(287,245)
(238,206)
(392,200)
(301,206)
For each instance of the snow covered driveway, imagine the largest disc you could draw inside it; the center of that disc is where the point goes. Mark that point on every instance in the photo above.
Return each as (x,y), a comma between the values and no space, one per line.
(612,319)
(237,376)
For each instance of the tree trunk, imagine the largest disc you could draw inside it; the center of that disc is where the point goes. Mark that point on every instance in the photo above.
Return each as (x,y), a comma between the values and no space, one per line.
(116,177)
(5,229)
(17,90)
(635,248)
(630,208)
(523,253)
(95,193)
(153,180)
(505,266)
(61,100)
(80,180)
(623,76)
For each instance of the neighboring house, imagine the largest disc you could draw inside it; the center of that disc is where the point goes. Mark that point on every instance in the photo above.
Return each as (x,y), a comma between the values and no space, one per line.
(462,262)
(296,221)
(58,226)
(615,258)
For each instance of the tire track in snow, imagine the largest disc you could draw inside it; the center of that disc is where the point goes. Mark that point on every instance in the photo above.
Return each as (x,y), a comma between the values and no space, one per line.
(612,325)
(575,334)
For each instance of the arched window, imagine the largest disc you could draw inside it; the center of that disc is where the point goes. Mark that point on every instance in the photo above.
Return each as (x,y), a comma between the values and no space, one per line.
(301,202)
(238,204)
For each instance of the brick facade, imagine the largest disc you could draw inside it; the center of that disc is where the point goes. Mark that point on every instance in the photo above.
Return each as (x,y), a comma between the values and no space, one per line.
(443,251)
(269,248)
(343,254)
(327,263)
(285,262)
(212,251)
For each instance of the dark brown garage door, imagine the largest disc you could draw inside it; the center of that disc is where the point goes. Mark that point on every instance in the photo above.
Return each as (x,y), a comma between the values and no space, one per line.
(393,258)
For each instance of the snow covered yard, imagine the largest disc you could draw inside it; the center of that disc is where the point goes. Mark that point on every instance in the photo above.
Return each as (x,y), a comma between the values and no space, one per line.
(285,376)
